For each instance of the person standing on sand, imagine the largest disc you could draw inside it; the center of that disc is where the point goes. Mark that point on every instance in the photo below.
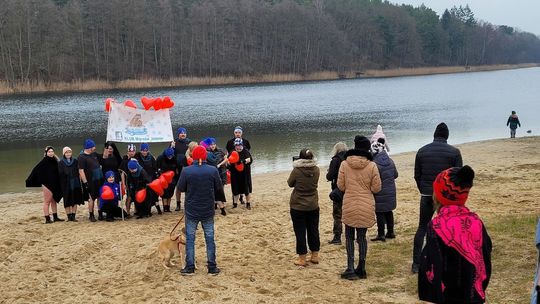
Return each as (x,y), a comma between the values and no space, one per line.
(359,179)
(91,174)
(241,175)
(455,264)
(70,181)
(200,182)
(230,146)
(304,204)
(45,175)
(338,153)
(513,122)
(168,162)
(180,145)
(430,160)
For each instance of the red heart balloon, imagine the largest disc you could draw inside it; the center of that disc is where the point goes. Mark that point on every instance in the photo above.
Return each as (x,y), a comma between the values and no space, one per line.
(167,103)
(155,185)
(140,196)
(108,104)
(239,167)
(130,103)
(234,157)
(228,177)
(158,104)
(147,102)
(189,161)
(107,193)
(169,175)
(164,182)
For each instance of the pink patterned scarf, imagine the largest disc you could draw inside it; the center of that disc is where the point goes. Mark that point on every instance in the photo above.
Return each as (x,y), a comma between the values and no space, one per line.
(462,230)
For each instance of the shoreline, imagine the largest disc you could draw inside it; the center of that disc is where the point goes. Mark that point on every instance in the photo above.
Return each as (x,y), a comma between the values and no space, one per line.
(32,88)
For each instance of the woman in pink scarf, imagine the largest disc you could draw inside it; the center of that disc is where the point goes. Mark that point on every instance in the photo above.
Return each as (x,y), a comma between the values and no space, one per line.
(455,264)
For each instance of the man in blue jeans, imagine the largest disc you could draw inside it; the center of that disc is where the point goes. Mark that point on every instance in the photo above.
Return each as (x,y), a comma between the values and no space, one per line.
(200,181)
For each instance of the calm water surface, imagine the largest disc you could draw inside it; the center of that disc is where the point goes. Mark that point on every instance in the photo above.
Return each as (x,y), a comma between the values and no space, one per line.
(281,119)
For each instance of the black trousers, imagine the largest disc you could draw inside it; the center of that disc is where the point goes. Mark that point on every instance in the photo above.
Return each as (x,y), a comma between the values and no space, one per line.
(336,214)
(306,222)
(385,219)
(349,244)
(426,213)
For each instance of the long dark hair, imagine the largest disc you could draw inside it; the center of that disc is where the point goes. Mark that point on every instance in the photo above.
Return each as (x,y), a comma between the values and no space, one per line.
(116,153)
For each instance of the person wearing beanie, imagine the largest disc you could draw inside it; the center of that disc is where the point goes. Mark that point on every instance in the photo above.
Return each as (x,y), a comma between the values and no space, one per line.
(45,175)
(168,162)
(110,160)
(455,264)
(513,123)
(91,175)
(430,160)
(149,164)
(137,180)
(216,158)
(130,154)
(359,179)
(200,182)
(241,174)
(386,199)
(110,205)
(70,182)
(180,145)
(238,133)
(338,153)
(304,206)
(379,134)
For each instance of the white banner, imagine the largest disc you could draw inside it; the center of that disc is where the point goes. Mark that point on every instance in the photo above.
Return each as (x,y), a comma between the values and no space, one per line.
(138,125)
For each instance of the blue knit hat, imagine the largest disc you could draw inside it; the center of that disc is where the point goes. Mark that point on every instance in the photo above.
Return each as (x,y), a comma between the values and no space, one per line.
(145,146)
(169,152)
(181,130)
(109,174)
(133,164)
(89,144)
(210,141)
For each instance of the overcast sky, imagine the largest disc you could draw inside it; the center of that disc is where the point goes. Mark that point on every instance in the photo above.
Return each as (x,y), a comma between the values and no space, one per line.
(523,14)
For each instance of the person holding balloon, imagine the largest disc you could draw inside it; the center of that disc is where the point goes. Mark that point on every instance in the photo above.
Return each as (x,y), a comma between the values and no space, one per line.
(240,161)
(149,164)
(109,196)
(167,162)
(137,180)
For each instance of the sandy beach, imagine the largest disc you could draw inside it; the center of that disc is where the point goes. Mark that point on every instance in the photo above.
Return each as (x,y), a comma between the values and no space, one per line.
(117,263)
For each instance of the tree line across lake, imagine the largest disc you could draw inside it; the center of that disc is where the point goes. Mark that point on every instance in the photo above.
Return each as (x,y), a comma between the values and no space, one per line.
(112,40)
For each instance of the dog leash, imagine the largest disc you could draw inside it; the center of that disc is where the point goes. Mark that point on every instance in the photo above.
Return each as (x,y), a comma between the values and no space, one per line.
(171,233)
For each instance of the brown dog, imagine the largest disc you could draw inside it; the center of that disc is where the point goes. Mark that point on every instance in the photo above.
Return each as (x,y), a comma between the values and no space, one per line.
(168,248)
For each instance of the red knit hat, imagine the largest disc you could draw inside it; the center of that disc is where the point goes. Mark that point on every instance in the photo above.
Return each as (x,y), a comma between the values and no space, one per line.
(451,187)
(199,153)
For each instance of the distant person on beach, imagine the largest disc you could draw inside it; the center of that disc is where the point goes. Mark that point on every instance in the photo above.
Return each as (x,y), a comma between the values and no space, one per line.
(513,122)
(338,153)
(91,175)
(110,205)
(149,164)
(385,200)
(130,154)
(45,175)
(430,160)
(200,182)
(168,162)
(304,206)
(455,264)
(536,288)
(70,182)
(241,174)
(180,146)
(379,134)
(359,179)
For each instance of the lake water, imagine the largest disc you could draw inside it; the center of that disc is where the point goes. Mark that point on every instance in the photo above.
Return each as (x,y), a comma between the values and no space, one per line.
(281,119)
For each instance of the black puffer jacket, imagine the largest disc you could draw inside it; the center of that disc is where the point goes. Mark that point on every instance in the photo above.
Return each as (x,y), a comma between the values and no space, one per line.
(385,200)
(333,169)
(431,159)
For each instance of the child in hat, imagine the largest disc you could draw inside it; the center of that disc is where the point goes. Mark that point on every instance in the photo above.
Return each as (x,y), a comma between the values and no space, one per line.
(109,196)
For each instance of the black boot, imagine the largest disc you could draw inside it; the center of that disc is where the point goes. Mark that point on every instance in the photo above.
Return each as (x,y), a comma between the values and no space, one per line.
(56,218)
(336,240)
(234,205)
(48,219)
(100,215)
(178,208)
(390,235)
(167,208)
(242,199)
(248,206)
(91,217)
(361,270)
(69,217)
(379,238)
(73,218)
(159,209)
(223,211)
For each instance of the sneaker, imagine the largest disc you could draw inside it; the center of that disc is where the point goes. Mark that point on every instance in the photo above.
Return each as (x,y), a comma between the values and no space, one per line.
(336,240)
(349,274)
(415,268)
(379,239)
(188,271)
(214,271)
(390,236)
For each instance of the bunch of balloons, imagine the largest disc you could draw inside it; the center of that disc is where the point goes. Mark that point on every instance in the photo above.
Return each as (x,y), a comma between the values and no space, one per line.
(156,103)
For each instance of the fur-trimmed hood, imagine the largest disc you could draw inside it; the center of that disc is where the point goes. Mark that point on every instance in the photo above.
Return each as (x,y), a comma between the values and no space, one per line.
(304,163)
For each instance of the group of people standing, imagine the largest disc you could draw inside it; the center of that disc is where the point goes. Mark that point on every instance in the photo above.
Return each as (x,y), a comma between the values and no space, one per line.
(454,265)
(108,178)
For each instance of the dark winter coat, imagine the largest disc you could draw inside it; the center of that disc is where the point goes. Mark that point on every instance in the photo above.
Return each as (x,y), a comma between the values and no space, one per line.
(149,164)
(333,169)
(110,163)
(385,200)
(305,180)
(46,173)
(241,180)
(70,182)
(431,159)
(200,183)
(230,145)
(513,122)
(115,189)
(441,264)
(165,164)
(137,181)
(218,157)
